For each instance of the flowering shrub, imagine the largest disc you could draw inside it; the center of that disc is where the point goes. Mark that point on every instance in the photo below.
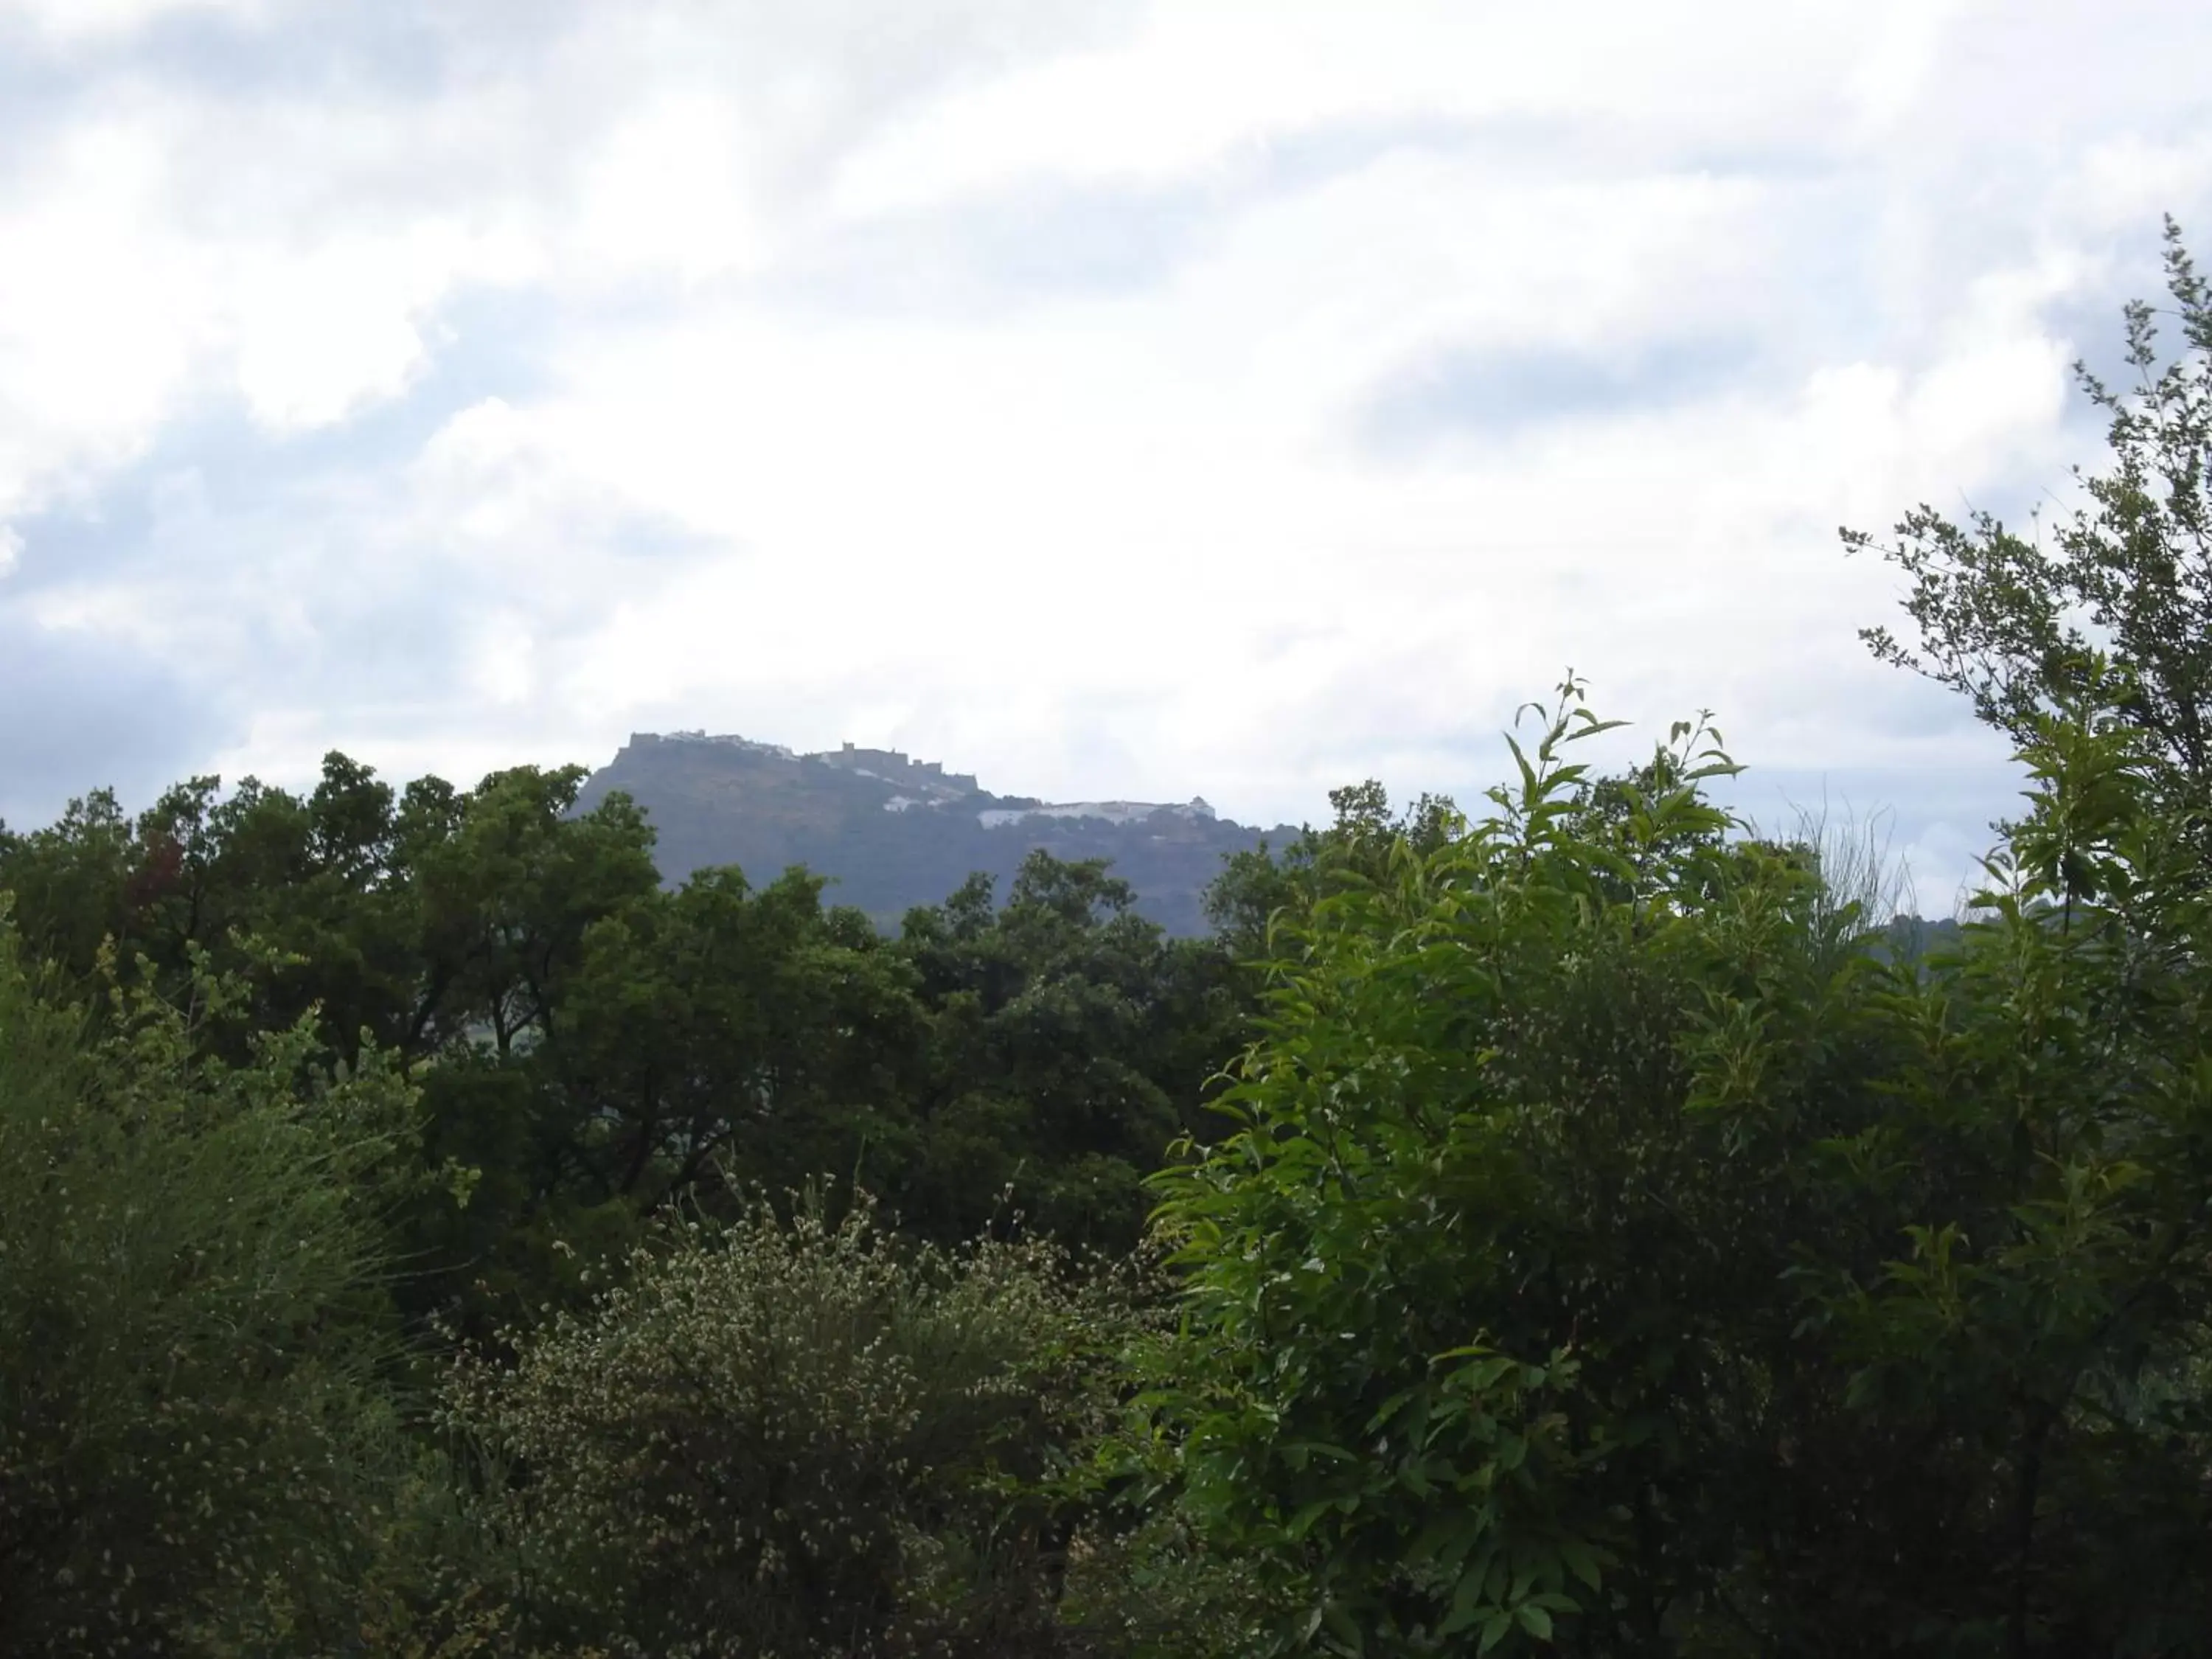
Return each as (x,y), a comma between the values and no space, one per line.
(799,1436)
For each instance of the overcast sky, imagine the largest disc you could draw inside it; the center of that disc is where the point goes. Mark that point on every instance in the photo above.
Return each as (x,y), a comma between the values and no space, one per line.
(1111,400)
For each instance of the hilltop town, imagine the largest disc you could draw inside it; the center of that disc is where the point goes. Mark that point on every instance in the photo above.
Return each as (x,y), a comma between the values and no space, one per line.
(890,831)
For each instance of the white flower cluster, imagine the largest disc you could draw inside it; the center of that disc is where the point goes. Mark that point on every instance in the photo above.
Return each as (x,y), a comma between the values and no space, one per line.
(794,1437)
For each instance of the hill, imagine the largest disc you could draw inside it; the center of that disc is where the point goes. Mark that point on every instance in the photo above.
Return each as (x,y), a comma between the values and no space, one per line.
(892,832)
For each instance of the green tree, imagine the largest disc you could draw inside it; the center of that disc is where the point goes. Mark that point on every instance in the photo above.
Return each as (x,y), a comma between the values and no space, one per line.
(299,897)
(1377,1397)
(508,881)
(1611,1249)
(2034,1363)
(2012,622)
(500,888)
(755,1034)
(72,883)
(1255,888)
(195,1444)
(1072,1040)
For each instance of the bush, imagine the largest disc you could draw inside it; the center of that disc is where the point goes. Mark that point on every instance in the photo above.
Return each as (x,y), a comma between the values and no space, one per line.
(194,1445)
(1612,1251)
(800,1437)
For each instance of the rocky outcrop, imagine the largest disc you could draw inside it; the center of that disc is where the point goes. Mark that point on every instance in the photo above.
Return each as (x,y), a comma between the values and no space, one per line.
(892,832)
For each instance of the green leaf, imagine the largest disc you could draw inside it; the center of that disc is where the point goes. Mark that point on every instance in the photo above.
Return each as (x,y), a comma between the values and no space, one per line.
(1344,1627)
(1580,1559)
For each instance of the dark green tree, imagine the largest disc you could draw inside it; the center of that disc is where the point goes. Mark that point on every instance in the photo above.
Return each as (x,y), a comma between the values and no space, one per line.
(198,1451)
(500,888)
(1255,888)
(507,881)
(722,1033)
(73,884)
(1072,1040)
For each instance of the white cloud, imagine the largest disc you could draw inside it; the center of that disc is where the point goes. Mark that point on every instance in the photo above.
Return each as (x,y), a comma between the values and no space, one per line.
(1199,81)
(668,192)
(97,333)
(75,22)
(323,335)
(665,367)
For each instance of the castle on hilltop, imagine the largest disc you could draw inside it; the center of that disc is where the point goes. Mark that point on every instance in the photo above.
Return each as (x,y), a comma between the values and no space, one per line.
(932,786)
(888,765)
(894,766)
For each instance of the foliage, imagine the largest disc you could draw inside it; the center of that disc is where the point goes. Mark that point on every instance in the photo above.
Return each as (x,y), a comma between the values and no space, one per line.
(1612,1239)
(193,1437)
(1256,889)
(591,1046)
(798,1437)
(1356,1409)
(1072,1040)
(2012,623)
(1611,1251)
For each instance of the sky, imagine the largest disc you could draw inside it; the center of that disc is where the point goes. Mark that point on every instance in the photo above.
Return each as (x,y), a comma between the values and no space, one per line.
(1113,400)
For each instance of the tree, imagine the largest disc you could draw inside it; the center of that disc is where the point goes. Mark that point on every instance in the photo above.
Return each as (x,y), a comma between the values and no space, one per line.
(1609,1247)
(719,1031)
(72,884)
(507,882)
(2011,623)
(1255,888)
(499,889)
(196,1445)
(1073,1040)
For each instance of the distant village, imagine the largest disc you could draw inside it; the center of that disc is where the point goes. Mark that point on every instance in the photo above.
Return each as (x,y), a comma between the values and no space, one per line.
(888,765)
(937,786)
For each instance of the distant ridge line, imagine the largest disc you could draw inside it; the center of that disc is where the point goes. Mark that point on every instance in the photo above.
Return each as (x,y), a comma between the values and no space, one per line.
(891,833)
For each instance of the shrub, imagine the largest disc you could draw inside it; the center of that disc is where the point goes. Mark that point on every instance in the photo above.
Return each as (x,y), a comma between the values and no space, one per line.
(1612,1250)
(193,1441)
(799,1437)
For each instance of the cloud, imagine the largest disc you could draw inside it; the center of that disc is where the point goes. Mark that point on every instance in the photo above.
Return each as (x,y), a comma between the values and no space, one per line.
(77,22)
(1501,391)
(72,698)
(1197,83)
(1115,401)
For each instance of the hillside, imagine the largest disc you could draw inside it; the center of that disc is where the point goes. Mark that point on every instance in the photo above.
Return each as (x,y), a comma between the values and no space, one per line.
(892,832)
